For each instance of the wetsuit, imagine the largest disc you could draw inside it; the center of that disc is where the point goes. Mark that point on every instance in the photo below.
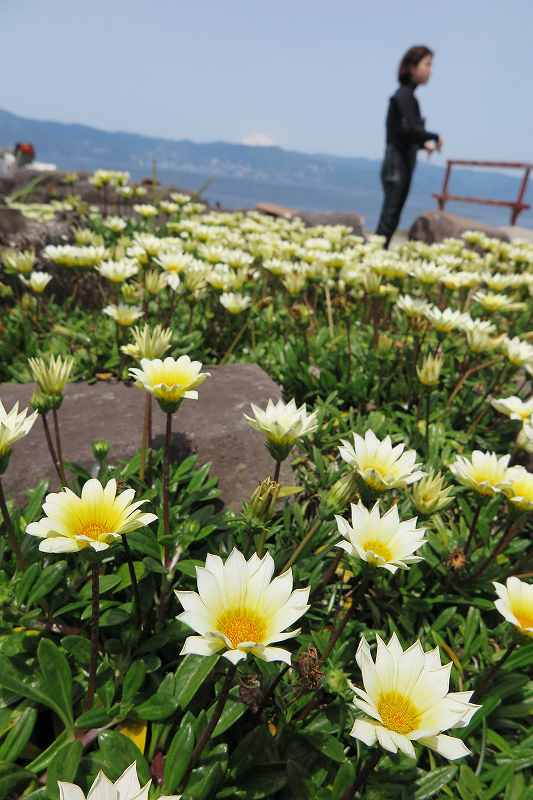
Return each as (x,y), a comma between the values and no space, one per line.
(406,134)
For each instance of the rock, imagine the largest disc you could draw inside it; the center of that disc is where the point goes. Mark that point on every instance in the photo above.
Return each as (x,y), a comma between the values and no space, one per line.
(18,231)
(434,226)
(348,218)
(213,427)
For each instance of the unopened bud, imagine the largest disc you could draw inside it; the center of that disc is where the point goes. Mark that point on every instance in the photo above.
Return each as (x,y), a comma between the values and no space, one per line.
(429,372)
(343,492)
(431,494)
(263,500)
(100,449)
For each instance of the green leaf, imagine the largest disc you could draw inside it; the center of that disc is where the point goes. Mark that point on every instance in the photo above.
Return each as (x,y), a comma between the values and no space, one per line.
(345,777)
(433,782)
(45,758)
(190,675)
(264,781)
(50,577)
(57,678)
(118,752)
(133,680)
(19,735)
(500,779)
(11,777)
(471,626)
(64,766)
(162,704)
(79,648)
(206,778)
(233,711)
(328,745)
(24,585)
(177,757)
(11,680)
(523,657)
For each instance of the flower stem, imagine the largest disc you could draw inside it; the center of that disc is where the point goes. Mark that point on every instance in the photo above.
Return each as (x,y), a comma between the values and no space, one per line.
(235,342)
(206,735)
(369,765)
(337,632)
(134,584)
(471,535)
(277,469)
(329,310)
(95,577)
(11,536)
(166,472)
(50,445)
(59,452)
(486,679)
(428,413)
(504,540)
(145,435)
(305,541)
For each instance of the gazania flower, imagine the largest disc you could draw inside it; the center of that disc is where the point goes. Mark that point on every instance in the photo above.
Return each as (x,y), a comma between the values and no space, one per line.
(496,302)
(96,519)
(524,440)
(519,488)
(171,380)
(381,541)
(127,787)
(282,424)
(52,373)
(118,271)
(431,494)
(429,371)
(407,699)
(175,262)
(122,314)
(235,303)
(444,321)
(148,342)
(514,407)
(21,261)
(519,353)
(154,281)
(13,426)
(115,224)
(146,211)
(239,609)
(485,473)
(37,282)
(379,464)
(515,603)
(412,306)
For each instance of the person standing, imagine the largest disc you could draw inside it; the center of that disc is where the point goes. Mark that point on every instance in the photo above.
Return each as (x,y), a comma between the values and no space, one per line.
(406,134)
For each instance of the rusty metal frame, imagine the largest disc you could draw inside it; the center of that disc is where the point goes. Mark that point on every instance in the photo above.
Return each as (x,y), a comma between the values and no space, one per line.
(516,206)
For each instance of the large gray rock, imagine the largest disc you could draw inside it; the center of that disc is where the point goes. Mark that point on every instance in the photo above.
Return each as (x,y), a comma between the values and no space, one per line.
(18,231)
(213,427)
(434,226)
(349,218)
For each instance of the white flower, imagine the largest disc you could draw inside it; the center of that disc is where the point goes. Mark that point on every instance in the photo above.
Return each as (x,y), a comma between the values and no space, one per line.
(379,464)
(445,321)
(115,224)
(515,603)
(127,787)
(96,519)
(514,407)
(282,425)
(239,609)
(14,426)
(170,380)
(519,488)
(37,282)
(407,699)
(118,271)
(381,541)
(486,473)
(235,303)
(51,372)
(148,342)
(122,314)
(412,306)
(146,211)
(519,353)
(524,440)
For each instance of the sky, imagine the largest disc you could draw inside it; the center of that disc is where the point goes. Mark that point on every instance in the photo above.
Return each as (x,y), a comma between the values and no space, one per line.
(307,75)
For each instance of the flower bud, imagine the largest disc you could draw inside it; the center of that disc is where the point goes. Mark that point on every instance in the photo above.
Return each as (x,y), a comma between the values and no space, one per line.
(100,449)
(429,372)
(431,494)
(264,498)
(344,491)
(43,403)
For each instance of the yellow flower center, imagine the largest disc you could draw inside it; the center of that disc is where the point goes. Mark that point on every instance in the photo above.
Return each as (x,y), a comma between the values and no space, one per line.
(524,616)
(397,712)
(379,549)
(94,530)
(240,625)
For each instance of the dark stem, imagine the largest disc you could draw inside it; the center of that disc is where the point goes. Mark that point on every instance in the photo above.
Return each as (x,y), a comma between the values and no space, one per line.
(95,575)
(305,541)
(428,411)
(60,464)
(11,536)
(486,679)
(507,536)
(369,765)
(329,573)
(345,617)
(206,735)
(50,445)
(471,535)
(272,688)
(277,469)
(134,584)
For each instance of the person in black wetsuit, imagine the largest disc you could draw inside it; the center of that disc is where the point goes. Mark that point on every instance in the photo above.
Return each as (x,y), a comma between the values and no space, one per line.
(406,134)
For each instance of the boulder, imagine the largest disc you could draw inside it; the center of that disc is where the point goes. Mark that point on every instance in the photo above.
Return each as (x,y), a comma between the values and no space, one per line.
(18,231)
(434,226)
(348,218)
(213,427)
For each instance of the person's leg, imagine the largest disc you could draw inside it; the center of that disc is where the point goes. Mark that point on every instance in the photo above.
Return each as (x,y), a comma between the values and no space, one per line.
(396,180)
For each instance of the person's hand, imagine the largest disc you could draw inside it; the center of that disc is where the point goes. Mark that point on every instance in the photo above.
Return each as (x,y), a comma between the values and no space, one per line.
(440,144)
(430,146)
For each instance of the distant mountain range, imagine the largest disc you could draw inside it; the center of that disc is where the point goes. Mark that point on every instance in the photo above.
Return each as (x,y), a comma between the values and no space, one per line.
(243,175)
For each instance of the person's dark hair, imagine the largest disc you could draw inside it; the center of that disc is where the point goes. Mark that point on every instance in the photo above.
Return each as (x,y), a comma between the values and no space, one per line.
(411,59)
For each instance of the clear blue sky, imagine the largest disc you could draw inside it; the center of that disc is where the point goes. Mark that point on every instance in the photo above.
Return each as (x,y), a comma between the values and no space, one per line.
(306,74)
